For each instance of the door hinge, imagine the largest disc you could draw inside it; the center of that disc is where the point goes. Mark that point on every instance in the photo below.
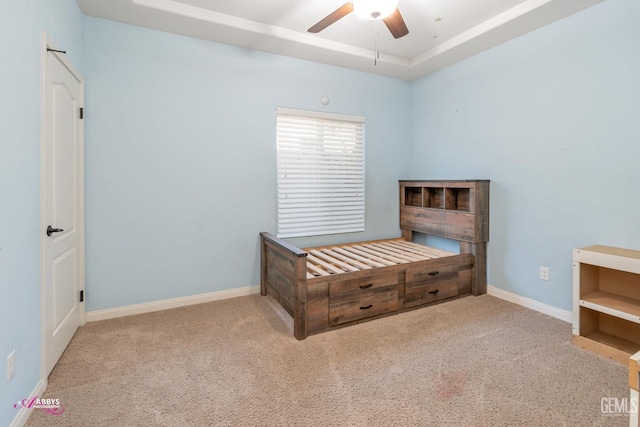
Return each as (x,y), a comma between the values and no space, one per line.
(81,112)
(81,296)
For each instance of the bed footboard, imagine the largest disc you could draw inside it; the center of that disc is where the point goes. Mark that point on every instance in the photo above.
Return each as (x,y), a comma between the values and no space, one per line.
(283,276)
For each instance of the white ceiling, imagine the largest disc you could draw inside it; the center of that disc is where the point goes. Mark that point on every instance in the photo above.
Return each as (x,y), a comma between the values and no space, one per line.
(441,32)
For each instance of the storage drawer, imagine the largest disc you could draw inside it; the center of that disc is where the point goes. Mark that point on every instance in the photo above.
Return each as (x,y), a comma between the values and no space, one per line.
(430,293)
(439,270)
(432,282)
(362,287)
(381,300)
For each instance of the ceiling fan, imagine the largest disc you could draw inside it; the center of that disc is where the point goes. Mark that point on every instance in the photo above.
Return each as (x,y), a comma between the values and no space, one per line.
(386,10)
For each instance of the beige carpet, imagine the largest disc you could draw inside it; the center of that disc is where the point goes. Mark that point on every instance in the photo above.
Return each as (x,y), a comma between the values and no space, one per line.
(477,361)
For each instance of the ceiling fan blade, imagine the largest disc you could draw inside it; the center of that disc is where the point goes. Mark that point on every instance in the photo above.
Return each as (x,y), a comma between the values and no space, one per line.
(340,12)
(396,25)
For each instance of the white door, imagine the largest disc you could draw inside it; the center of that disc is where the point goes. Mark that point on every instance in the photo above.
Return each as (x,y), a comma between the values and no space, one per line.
(62,207)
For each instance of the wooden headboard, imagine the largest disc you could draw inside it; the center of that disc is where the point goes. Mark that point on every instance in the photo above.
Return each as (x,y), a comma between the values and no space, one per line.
(454,209)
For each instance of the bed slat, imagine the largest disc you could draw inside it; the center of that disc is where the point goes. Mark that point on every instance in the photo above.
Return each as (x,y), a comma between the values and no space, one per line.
(410,249)
(394,251)
(333,260)
(381,255)
(318,261)
(436,253)
(358,250)
(359,257)
(314,269)
(347,259)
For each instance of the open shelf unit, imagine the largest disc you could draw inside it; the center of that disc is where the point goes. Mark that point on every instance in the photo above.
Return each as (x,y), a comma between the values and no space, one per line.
(413,196)
(437,197)
(433,197)
(606,311)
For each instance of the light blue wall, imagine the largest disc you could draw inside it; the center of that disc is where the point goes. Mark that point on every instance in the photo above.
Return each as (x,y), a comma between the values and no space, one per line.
(181,157)
(21,26)
(553,119)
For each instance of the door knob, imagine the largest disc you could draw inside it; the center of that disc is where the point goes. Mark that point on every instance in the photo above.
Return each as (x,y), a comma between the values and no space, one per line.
(51,230)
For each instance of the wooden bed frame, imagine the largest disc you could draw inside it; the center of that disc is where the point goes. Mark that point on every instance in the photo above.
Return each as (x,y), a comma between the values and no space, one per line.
(329,287)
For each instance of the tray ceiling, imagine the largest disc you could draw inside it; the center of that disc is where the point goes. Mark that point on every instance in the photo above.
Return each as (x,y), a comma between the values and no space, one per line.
(441,32)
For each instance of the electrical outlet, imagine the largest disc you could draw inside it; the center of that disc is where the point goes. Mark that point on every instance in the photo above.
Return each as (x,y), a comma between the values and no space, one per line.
(11,365)
(544,273)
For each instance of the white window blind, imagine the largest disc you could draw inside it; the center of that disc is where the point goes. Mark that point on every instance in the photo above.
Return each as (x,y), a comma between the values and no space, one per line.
(320,173)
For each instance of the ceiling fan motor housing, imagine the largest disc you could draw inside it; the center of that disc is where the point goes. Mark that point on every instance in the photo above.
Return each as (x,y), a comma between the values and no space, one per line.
(374,9)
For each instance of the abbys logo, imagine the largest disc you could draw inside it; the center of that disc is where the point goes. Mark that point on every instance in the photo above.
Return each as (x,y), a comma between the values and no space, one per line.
(49,406)
(616,406)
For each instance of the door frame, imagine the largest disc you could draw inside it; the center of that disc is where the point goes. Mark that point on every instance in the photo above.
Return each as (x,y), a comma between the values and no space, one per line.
(47,43)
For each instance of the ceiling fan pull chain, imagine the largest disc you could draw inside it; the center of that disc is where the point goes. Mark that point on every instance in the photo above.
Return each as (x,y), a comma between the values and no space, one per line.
(376,45)
(375,55)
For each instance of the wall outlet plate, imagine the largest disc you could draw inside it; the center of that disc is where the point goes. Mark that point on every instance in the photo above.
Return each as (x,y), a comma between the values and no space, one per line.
(544,273)
(11,365)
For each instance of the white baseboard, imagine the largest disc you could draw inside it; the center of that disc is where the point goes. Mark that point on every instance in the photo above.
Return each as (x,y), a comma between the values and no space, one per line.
(558,313)
(149,307)
(23,414)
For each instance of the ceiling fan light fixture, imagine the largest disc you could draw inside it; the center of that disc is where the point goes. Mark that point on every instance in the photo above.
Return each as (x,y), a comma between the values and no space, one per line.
(374,9)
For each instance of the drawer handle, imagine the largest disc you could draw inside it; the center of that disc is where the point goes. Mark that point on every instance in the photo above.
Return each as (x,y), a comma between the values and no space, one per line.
(366,307)
(366,286)
(434,273)
(434,292)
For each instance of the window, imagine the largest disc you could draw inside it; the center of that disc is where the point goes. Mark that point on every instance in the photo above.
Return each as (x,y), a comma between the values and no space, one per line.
(320,173)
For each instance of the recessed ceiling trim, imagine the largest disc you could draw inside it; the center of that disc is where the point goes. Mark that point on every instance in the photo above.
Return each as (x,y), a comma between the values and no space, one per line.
(525,11)
(508,25)
(491,24)
(277,27)
(259,28)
